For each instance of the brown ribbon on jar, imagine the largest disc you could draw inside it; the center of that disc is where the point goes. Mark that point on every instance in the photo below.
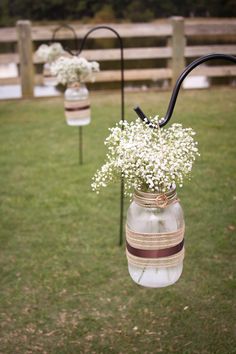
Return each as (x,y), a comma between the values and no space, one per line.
(162,262)
(166,252)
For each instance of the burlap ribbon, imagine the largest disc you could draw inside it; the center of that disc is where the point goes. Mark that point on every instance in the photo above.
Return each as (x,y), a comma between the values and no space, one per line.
(155,249)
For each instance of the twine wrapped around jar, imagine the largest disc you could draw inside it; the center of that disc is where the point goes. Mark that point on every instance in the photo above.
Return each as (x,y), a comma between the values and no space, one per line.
(155,200)
(161,249)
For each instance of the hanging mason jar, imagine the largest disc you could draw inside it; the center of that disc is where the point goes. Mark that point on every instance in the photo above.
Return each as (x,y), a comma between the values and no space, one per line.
(48,78)
(155,239)
(77,105)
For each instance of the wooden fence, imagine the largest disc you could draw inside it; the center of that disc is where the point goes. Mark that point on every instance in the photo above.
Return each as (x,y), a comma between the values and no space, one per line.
(177,33)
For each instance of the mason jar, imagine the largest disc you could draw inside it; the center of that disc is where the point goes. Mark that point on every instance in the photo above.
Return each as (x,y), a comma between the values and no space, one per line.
(155,239)
(48,78)
(77,105)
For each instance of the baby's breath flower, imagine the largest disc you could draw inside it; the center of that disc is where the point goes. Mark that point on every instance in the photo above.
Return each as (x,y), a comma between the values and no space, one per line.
(73,69)
(49,53)
(148,159)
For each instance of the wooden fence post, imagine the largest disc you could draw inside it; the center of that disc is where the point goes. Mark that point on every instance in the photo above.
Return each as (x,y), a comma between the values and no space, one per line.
(177,42)
(25,49)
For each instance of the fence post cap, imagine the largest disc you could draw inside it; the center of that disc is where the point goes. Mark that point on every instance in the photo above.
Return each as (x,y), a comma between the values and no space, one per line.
(23,22)
(177,18)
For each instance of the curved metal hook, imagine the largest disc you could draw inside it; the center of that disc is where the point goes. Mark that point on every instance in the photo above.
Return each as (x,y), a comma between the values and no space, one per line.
(122,109)
(69,28)
(121,58)
(176,89)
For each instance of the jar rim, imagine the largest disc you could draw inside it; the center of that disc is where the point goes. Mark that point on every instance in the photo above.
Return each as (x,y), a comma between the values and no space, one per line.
(155,199)
(156,193)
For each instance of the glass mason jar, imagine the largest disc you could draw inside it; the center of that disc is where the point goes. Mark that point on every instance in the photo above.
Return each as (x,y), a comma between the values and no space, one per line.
(77,105)
(48,78)
(155,239)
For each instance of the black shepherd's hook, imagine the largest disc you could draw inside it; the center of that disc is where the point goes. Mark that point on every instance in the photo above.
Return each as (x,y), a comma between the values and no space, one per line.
(122,108)
(176,89)
(69,28)
(121,58)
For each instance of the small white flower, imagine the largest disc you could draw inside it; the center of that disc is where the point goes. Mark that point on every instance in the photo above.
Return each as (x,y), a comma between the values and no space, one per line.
(49,53)
(73,69)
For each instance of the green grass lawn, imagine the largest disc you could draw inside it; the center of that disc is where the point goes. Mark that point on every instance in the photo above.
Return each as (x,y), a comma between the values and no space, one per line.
(65,287)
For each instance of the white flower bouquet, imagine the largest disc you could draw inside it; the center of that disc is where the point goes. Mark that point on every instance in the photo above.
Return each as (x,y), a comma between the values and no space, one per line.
(74,69)
(49,53)
(151,160)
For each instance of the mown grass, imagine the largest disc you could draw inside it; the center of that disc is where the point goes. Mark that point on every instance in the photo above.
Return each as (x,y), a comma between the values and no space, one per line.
(64,281)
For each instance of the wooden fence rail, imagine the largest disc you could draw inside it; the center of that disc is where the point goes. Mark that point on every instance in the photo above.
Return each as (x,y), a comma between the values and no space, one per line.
(177,32)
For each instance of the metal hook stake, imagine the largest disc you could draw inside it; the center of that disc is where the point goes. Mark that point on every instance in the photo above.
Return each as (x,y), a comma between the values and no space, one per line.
(69,28)
(122,109)
(80,138)
(121,58)
(176,89)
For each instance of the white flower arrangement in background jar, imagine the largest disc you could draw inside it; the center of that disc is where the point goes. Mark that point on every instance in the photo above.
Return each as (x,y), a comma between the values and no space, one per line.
(73,71)
(48,54)
(152,162)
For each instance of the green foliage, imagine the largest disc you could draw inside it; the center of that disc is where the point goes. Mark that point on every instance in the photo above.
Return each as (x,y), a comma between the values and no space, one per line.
(64,284)
(138,11)
(109,10)
(105,14)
